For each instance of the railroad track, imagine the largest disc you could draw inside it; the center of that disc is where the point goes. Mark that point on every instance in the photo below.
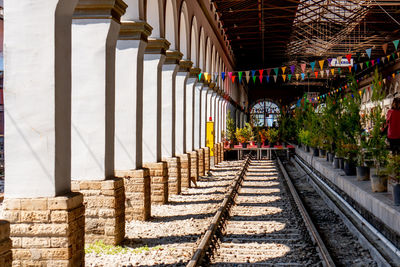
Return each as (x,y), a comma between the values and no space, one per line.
(261,221)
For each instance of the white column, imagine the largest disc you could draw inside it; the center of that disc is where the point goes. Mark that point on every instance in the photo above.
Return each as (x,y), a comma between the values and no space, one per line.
(154,58)
(37,50)
(189,111)
(169,71)
(93,91)
(197,116)
(225,110)
(129,94)
(203,115)
(214,115)
(180,111)
(237,116)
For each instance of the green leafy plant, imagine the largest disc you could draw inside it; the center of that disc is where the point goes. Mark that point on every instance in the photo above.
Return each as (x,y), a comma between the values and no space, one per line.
(262,135)
(230,127)
(304,137)
(393,166)
(376,144)
(272,135)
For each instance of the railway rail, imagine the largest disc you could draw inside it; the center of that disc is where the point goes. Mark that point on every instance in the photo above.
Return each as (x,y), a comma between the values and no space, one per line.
(262,221)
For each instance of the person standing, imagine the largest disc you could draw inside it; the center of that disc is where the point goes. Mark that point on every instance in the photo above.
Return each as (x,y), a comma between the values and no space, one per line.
(393,126)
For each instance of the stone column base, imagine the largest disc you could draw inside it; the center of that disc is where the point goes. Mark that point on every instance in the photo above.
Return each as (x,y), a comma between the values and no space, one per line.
(5,244)
(200,153)
(221,152)
(206,159)
(174,175)
(45,231)
(194,167)
(105,209)
(216,153)
(185,170)
(137,194)
(159,182)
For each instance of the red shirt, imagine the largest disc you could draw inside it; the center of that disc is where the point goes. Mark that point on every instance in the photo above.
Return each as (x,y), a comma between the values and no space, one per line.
(393,120)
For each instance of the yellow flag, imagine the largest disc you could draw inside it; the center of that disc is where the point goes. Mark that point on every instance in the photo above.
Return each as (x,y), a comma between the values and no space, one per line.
(284,77)
(333,71)
(297,76)
(283,70)
(321,64)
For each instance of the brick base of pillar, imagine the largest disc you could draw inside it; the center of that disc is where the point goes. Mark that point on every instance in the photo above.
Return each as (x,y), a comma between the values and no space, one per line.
(185,170)
(216,153)
(104,209)
(174,175)
(194,167)
(5,244)
(44,231)
(221,152)
(200,153)
(206,159)
(137,194)
(159,182)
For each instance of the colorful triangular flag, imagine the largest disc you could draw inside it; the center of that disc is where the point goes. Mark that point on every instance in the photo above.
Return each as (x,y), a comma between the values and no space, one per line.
(247,76)
(240,76)
(284,77)
(388,57)
(384,47)
(268,72)
(297,76)
(302,75)
(339,60)
(316,74)
(367,63)
(321,73)
(373,62)
(275,76)
(200,74)
(283,70)
(261,72)
(261,77)
(233,77)
(289,77)
(348,56)
(355,67)
(230,75)
(267,79)
(327,72)
(333,71)
(339,70)
(329,61)
(276,70)
(254,79)
(303,67)
(312,64)
(396,44)
(292,68)
(369,50)
(321,64)
(361,65)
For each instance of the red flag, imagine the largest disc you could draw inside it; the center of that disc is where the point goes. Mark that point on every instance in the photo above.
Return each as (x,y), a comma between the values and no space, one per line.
(233,78)
(316,74)
(348,56)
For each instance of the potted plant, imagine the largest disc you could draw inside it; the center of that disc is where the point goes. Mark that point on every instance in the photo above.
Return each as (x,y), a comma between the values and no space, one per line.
(241,137)
(262,134)
(350,154)
(304,138)
(377,140)
(230,129)
(393,170)
(272,136)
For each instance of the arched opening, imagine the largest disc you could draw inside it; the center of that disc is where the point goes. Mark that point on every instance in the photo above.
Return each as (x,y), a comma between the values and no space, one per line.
(202,60)
(134,10)
(183,32)
(265,113)
(171,23)
(208,56)
(154,17)
(194,43)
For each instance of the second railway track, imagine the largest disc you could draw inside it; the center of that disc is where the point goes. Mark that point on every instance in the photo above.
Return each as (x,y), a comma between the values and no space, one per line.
(262,222)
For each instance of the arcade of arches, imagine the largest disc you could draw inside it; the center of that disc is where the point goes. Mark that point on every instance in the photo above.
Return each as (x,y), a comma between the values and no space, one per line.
(107,103)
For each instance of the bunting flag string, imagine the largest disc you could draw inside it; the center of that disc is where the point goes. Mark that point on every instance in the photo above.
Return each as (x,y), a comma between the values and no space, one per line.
(321,72)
